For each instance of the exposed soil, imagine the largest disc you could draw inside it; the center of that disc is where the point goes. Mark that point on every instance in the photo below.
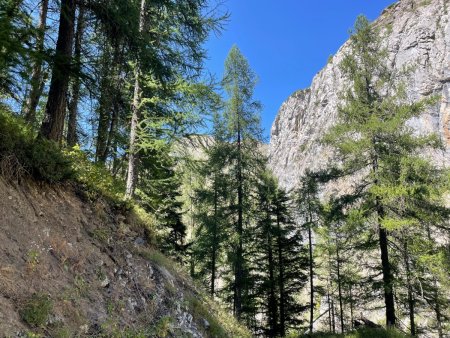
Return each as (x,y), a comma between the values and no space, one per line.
(89,262)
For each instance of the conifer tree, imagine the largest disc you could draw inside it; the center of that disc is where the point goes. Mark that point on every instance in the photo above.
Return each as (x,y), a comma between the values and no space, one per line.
(309,212)
(373,138)
(244,133)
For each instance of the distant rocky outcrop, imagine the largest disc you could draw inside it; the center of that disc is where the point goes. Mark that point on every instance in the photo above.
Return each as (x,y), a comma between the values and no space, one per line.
(416,33)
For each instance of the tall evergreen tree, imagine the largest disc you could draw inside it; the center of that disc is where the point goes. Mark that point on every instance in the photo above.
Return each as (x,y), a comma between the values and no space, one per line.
(374,139)
(309,212)
(244,133)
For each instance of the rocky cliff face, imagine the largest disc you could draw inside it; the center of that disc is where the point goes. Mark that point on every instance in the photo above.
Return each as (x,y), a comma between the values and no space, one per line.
(417,33)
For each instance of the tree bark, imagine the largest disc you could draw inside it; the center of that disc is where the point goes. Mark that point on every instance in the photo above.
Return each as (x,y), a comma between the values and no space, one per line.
(272,299)
(37,78)
(351,307)
(214,248)
(341,309)
(55,112)
(72,137)
(239,273)
(388,278)
(311,276)
(411,300)
(109,105)
(281,280)
(132,152)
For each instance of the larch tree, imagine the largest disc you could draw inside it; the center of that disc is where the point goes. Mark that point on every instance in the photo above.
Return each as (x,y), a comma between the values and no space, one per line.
(373,138)
(244,133)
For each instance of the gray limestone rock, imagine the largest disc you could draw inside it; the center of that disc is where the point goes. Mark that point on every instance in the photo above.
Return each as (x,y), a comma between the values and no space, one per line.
(416,33)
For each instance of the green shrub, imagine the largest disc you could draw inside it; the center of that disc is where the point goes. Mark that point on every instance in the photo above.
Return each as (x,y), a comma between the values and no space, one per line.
(95,178)
(48,162)
(36,310)
(21,151)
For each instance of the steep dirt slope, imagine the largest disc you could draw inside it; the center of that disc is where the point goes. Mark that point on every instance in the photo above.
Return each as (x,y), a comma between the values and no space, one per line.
(90,270)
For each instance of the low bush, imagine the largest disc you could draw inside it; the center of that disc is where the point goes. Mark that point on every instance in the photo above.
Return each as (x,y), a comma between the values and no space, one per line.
(36,310)
(21,151)
(95,178)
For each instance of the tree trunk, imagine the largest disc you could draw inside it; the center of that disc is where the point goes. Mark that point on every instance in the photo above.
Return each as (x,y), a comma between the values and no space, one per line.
(281,280)
(72,137)
(104,119)
(341,309)
(214,248)
(37,78)
(109,102)
(437,307)
(272,299)
(388,278)
(55,112)
(239,273)
(132,151)
(329,307)
(311,277)
(333,316)
(410,289)
(351,307)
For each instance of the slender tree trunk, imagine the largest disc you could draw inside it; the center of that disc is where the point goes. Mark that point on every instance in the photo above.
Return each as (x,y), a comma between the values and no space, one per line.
(112,133)
(388,278)
(72,137)
(104,119)
(55,112)
(214,248)
(272,299)
(239,273)
(437,307)
(351,308)
(37,78)
(281,279)
(132,152)
(109,105)
(333,316)
(311,276)
(329,307)
(410,290)
(341,309)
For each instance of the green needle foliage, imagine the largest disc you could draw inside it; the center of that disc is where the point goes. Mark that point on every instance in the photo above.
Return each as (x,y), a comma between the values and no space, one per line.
(399,194)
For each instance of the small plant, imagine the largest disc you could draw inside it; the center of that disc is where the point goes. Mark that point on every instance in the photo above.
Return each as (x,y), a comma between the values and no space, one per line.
(330,59)
(162,327)
(81,286)
(36,310)
(101,234)
(32,259)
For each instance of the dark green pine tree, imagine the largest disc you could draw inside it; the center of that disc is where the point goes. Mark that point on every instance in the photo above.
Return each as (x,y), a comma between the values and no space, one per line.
(243,135)
(281,259)
(213,210)
(309,211)
(373,139)
(417,220)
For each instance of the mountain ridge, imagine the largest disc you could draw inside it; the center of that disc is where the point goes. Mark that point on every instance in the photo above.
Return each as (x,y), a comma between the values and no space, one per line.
(415,33)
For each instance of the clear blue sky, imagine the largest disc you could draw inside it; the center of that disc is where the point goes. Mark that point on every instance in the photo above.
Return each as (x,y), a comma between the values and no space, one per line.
(286,42)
